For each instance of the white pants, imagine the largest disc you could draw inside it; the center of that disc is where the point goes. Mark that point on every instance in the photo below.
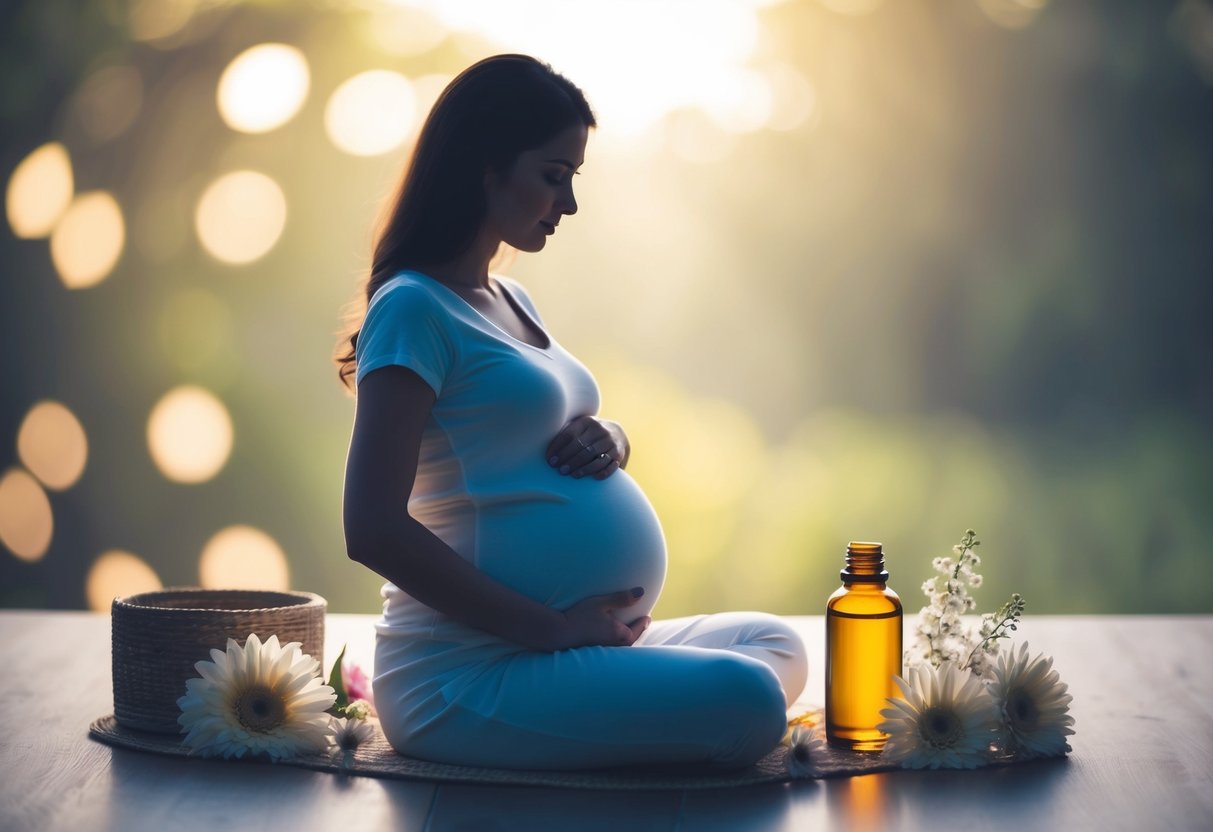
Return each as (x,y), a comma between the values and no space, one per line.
(707,688)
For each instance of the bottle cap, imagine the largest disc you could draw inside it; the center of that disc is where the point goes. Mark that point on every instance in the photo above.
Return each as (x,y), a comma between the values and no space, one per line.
(865,563)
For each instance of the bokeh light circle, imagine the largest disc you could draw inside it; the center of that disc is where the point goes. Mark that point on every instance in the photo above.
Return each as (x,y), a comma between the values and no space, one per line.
(794,100)
(154,20)
(108,101)
(263,87)
(116,574)
(39,191)
(52,445)
(26,522)
(243,557)
(400,30)
(88,240)
(1012,14)
(741,102)
(371,113)
(240,216)
(189,434)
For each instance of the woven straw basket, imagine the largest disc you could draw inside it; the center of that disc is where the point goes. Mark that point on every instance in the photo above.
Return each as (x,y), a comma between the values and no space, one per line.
(158,636)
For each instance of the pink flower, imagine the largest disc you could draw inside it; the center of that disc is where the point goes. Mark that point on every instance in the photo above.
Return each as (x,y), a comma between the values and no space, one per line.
(357,685)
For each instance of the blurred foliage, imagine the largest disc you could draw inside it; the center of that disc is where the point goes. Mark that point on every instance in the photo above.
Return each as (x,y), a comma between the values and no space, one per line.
(973,291)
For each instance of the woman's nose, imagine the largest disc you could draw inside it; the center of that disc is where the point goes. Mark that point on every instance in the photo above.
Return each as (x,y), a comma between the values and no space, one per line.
(568,204)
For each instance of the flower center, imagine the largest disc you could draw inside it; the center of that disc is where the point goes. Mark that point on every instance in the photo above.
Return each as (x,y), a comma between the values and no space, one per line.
(259,709)
(940,728)
(1022,710)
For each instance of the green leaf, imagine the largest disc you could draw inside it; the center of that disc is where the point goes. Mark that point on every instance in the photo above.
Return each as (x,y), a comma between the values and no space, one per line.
(338,684)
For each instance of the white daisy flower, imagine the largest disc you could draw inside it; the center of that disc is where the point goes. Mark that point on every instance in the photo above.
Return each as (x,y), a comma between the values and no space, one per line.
(1034,705)
(946,720)
(261,698)
(803,751)
(348,734)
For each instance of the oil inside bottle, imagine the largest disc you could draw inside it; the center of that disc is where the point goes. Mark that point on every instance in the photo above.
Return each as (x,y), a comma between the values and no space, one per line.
(863,650)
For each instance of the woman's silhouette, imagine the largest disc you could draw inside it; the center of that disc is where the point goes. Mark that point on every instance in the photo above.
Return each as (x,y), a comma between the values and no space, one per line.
(522,562)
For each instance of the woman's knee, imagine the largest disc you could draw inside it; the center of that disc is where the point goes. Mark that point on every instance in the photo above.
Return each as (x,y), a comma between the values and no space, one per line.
(773,640)
(753,716)
(789,647)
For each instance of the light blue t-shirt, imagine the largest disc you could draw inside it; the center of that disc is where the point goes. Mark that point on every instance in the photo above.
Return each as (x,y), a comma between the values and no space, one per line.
(483,484)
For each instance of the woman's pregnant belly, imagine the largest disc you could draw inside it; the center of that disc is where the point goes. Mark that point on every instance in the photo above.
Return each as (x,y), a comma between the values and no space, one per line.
(574,538)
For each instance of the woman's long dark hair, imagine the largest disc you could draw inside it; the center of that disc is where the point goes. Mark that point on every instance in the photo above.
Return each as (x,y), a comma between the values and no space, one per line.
(492,112)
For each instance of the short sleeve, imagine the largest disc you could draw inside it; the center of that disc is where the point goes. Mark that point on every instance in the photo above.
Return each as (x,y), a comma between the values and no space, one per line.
(406,326)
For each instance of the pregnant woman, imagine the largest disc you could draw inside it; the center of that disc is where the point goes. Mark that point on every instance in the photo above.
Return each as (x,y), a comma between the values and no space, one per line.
(521,561)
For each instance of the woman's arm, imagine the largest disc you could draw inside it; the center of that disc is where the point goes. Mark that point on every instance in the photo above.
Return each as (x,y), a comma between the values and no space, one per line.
(393,405)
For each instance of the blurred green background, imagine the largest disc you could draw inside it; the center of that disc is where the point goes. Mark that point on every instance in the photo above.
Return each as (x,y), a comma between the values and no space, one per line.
(845,270)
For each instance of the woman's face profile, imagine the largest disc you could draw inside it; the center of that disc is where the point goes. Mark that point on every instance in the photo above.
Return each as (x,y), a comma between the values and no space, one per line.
(526,203)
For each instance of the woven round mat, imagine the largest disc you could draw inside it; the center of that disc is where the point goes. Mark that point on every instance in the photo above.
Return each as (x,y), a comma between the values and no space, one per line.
(375,758)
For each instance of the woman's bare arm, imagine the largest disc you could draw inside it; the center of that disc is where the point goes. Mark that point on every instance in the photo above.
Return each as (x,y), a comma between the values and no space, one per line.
(393,405)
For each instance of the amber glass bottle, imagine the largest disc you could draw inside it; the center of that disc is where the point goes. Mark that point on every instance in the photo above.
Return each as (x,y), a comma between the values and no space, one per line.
(863,650)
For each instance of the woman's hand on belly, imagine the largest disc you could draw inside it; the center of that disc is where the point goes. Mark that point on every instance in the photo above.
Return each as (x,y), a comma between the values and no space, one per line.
(588,446)
(590,622)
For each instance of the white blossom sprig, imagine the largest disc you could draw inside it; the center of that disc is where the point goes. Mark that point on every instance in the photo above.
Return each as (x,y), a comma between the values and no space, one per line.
(994,625)
(941,635)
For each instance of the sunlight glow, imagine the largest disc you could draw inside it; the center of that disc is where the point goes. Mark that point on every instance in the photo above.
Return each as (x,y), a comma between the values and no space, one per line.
(243,557)
(39,191)
(240,216)
(793,99)
(852,7)
(697,495)
(263,88)
(740,101)
(88,240)
(404,31)
(695,138)
(189,434)
(52,445)
(26,523)
(371,113)
(636,72)
(116,574)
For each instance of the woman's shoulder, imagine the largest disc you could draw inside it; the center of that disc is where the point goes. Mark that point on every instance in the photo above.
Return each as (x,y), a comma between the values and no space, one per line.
(406,323)
(407,284)
(408,291)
